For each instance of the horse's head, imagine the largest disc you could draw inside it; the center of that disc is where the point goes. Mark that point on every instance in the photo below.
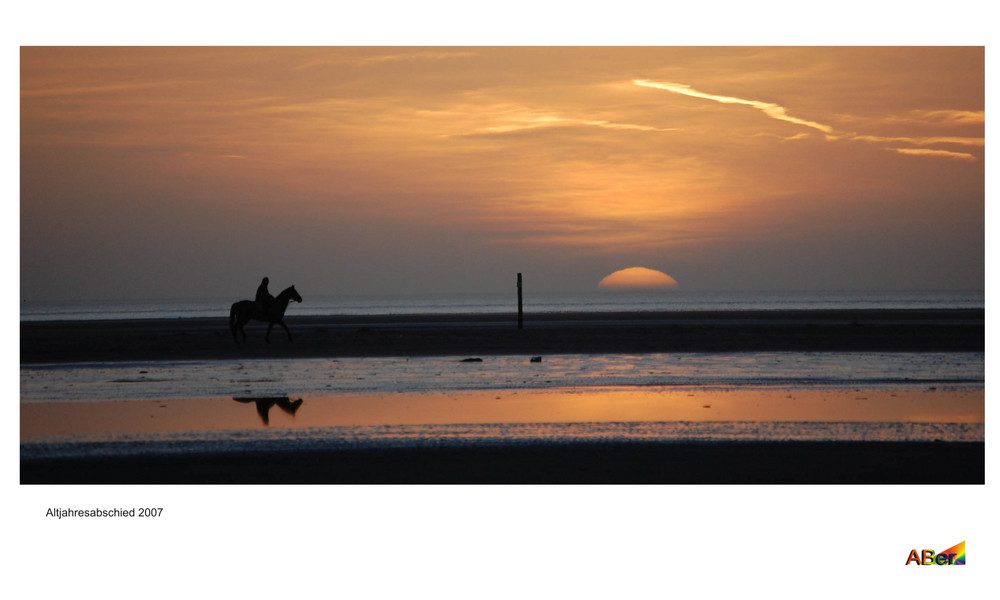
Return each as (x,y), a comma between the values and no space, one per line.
(293,295)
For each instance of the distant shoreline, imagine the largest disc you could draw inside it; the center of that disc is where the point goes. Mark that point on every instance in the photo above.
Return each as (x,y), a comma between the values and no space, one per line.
(861,330)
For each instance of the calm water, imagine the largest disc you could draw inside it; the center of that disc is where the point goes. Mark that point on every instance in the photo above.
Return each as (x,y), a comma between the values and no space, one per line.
(500,304)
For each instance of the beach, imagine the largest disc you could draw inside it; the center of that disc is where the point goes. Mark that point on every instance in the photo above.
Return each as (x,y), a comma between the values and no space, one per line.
(496,457)
(944,330)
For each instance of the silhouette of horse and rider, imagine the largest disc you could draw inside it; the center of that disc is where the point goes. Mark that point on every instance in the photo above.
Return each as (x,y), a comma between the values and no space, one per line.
(264,307)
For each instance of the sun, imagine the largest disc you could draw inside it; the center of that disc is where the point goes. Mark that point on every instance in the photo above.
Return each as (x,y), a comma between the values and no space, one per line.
(637,278)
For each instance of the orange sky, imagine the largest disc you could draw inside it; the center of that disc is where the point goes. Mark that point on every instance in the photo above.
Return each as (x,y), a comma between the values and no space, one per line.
(151,172)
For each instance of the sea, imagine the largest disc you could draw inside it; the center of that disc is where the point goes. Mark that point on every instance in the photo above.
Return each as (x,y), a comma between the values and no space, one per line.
(539,303)
(316,379)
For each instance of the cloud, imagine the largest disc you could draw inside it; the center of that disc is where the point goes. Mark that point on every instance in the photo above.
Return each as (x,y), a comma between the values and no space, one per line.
(770,109)
(950,117)
(63,89)
(536,121)
(921,141)
(929,152)
(926,141)
(425,55)
(954,117)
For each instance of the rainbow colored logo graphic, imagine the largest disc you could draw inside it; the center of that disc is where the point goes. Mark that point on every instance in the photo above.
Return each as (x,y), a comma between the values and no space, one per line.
(952,556)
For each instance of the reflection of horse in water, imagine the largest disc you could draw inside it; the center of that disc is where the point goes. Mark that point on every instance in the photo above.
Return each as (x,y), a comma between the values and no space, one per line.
(244,310)
(264,405)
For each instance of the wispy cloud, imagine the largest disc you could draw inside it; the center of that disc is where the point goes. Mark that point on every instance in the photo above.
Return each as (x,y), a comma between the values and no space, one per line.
(536,121)
(423,55)
(951,117)
(954,117)
(922,141)
(58,88)
(930,152)
(770,109)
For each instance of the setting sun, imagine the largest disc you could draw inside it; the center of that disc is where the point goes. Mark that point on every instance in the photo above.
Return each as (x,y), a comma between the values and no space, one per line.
(637,278)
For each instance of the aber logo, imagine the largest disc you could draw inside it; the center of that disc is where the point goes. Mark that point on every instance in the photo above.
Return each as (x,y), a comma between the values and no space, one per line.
(952,556)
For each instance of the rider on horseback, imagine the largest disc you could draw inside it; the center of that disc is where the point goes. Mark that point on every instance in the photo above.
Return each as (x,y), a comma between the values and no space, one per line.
(264,298)
(265,307)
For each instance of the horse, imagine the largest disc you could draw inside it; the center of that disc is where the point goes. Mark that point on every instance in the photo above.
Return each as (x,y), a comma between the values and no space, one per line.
(244,310)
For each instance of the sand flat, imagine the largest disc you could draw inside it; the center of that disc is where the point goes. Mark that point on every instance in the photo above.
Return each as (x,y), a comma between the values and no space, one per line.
(959,330)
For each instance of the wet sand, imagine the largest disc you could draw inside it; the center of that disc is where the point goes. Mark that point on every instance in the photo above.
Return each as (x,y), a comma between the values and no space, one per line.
(447,335)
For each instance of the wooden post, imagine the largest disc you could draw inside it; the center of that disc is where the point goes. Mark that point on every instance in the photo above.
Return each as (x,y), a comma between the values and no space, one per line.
(520,304)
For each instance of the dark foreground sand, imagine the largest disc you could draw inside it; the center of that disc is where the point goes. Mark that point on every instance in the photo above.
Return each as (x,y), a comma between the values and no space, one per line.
(471,335)
(710,331)
(546,463)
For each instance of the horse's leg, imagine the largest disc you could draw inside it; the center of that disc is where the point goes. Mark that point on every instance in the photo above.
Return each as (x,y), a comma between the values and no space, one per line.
(267,337)
(237,327)
(232,323)
(282,323)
